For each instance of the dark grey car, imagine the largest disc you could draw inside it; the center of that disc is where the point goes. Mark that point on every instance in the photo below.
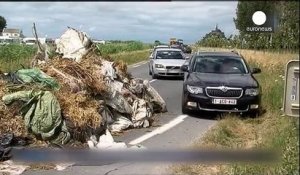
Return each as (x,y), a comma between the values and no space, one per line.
(220,82)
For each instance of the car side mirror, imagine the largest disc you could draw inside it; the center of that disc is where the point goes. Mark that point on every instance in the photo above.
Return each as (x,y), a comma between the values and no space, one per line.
(185,68)
(186,57)
(256,70)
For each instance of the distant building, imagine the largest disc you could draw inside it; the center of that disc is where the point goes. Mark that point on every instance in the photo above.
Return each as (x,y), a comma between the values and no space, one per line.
(12,33)
(99,41)
(32,41)
(217,32)
(8,40)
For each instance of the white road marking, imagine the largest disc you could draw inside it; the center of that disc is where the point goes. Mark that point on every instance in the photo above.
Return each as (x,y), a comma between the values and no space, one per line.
(137,64)
(152,80)
(159,130)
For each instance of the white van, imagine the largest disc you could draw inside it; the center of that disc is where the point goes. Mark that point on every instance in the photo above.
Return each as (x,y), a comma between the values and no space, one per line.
(32,41)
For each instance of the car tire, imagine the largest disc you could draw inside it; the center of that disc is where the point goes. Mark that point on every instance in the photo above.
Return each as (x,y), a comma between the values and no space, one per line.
(154,76)
(184,109)
(252,114)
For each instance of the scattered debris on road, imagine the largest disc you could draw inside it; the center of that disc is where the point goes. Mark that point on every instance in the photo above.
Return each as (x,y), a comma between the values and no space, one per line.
(73,97)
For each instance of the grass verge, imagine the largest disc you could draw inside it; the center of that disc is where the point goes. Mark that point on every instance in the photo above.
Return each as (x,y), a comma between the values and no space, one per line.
(269,131)
(14,57)
(131,57)
(113,48)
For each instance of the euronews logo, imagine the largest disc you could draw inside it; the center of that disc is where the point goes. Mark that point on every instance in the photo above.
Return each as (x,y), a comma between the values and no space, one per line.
(262,22)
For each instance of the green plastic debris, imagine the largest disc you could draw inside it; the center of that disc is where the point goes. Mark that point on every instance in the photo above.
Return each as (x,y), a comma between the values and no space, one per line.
(42,115)
(36,75)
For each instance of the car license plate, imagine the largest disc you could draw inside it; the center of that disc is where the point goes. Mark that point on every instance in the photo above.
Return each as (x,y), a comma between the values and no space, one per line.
(172,70)
(224,101)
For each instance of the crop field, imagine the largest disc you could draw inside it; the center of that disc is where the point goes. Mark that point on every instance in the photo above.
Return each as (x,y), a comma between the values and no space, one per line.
(14,57)
(114,48)
(271,130)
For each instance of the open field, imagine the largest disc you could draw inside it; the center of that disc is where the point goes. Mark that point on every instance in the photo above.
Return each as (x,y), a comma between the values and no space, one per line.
(269,131)
(113,48)
(131,57)
(14,57)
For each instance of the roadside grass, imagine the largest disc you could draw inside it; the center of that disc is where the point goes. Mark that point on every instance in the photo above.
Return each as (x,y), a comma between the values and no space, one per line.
(269,131)
(13,56)
(131,57)
(113,48)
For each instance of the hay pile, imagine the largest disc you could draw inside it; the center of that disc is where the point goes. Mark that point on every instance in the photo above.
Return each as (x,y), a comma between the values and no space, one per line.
(82,88)
(90,86)
(11,121)
(80,94)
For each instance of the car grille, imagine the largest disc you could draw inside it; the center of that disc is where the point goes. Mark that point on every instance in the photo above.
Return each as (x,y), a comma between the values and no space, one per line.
(217,92)
(172,67)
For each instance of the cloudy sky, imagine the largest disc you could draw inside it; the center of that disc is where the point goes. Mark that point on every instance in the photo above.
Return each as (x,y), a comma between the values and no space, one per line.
(144,21)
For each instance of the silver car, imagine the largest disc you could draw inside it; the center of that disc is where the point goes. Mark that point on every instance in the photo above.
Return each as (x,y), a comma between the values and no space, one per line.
(166,62)
(158,47)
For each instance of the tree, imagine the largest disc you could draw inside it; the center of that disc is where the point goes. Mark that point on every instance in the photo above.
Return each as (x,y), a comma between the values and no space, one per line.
(288,27)
(157,42)
(2,23)
(287,34)
(245,10)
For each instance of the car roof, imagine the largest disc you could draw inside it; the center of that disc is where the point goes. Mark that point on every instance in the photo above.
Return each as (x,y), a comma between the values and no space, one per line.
(217,53)
(168,49)
(165,46)
(175,45)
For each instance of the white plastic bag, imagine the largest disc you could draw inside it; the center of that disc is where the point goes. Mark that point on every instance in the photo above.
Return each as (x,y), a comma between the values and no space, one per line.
(73,44)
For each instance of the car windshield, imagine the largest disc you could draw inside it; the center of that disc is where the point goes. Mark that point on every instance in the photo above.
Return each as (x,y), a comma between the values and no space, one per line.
(169,55)
(219,65)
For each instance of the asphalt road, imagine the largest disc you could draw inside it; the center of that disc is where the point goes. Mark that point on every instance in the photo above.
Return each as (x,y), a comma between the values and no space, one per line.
(170,130)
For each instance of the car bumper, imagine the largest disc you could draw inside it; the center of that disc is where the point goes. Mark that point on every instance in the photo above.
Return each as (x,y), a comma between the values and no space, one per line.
(202,102)
(168,72)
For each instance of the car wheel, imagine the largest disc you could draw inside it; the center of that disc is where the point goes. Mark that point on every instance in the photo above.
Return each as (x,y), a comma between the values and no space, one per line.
(154,76)
(150,72)
(184,109)
(252,114)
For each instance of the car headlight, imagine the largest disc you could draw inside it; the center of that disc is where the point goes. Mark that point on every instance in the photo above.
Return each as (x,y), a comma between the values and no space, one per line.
(194,89)
(159,66)
(252,92)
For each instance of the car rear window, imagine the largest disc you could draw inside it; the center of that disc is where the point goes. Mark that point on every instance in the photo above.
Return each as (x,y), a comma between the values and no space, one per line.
(219,65)
(169,55)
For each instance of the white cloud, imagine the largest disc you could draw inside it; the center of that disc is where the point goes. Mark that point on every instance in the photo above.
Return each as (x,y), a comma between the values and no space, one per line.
(92,29)
(146,21)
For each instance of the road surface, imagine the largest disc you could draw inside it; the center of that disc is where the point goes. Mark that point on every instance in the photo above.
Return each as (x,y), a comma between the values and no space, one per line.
(170,130)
